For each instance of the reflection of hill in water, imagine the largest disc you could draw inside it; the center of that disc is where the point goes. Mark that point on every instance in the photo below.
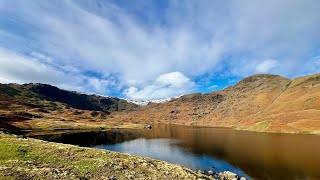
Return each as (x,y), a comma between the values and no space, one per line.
(89,138)
(260,155)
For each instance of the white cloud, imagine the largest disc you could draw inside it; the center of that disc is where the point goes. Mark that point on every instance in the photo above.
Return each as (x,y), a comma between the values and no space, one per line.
(176,79)
(266,65)
(227,38)
(213,87)
(42,57)
(166,85)
(17,68)
(99,85)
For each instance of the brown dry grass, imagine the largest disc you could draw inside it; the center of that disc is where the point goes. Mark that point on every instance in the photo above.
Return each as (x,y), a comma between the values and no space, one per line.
(262,103)
(265,103)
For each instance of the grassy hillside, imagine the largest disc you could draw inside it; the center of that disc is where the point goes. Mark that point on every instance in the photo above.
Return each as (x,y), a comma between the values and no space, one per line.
(35,159)
(39,94)
(266,103)
(40,106)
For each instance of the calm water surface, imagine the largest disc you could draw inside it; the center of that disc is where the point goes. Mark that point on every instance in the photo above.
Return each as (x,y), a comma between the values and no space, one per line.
(249,154)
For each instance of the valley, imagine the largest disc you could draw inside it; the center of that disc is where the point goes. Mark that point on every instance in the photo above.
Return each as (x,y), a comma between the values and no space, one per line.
(263,103)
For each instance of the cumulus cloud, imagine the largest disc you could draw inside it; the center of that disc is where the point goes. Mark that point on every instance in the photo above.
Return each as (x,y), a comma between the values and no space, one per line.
(166,85)
(128,48)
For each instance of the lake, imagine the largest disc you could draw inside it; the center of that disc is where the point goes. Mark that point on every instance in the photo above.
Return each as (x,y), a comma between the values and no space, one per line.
(250,154)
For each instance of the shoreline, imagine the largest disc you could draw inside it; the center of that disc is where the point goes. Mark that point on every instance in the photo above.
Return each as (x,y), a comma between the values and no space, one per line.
(130,125)
(34,158)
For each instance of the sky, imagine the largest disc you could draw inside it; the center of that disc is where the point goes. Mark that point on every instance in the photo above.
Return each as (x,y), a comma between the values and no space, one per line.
(150,49)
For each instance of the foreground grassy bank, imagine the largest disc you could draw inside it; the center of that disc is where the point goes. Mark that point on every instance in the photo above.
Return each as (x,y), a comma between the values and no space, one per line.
(29,158)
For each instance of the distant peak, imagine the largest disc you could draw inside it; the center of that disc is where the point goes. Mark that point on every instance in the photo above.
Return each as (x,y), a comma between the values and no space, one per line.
(146,102)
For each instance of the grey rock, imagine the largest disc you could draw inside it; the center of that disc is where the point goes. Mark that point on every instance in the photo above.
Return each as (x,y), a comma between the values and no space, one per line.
(147,126)
(210,173)
(227,175)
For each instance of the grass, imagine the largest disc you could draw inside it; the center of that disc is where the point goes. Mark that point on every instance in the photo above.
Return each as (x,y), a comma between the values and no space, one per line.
(261,126)
(35,159)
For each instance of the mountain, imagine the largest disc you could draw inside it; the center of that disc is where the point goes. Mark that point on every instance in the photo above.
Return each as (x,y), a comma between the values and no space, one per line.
(37,93)
(263,102)
(144,103)
(42,106)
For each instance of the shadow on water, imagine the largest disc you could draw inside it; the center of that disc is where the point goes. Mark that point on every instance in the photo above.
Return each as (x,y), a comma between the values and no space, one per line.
(258,155)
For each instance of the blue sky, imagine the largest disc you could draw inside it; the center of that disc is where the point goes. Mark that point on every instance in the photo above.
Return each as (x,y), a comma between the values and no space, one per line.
(155,49)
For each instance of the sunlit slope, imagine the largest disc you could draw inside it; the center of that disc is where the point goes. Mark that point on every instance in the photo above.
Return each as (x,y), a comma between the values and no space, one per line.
(297,109)
(45,107)
(263,102)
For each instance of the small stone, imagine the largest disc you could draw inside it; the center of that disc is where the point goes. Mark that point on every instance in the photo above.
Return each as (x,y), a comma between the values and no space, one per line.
(144,164)
(130,176)
(112,178)
(210,173)
(230,175)
(147,126)
(227,175)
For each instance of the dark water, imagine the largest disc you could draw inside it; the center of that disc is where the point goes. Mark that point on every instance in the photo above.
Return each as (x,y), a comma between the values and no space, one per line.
(249,154)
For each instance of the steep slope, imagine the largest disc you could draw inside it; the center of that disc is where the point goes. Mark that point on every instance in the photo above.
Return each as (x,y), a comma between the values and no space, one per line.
(298,108)
(45,92)
(261,102)
(41,106)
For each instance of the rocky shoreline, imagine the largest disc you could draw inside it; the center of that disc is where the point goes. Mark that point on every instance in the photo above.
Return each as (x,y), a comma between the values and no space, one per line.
(28,158)
(225,175)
